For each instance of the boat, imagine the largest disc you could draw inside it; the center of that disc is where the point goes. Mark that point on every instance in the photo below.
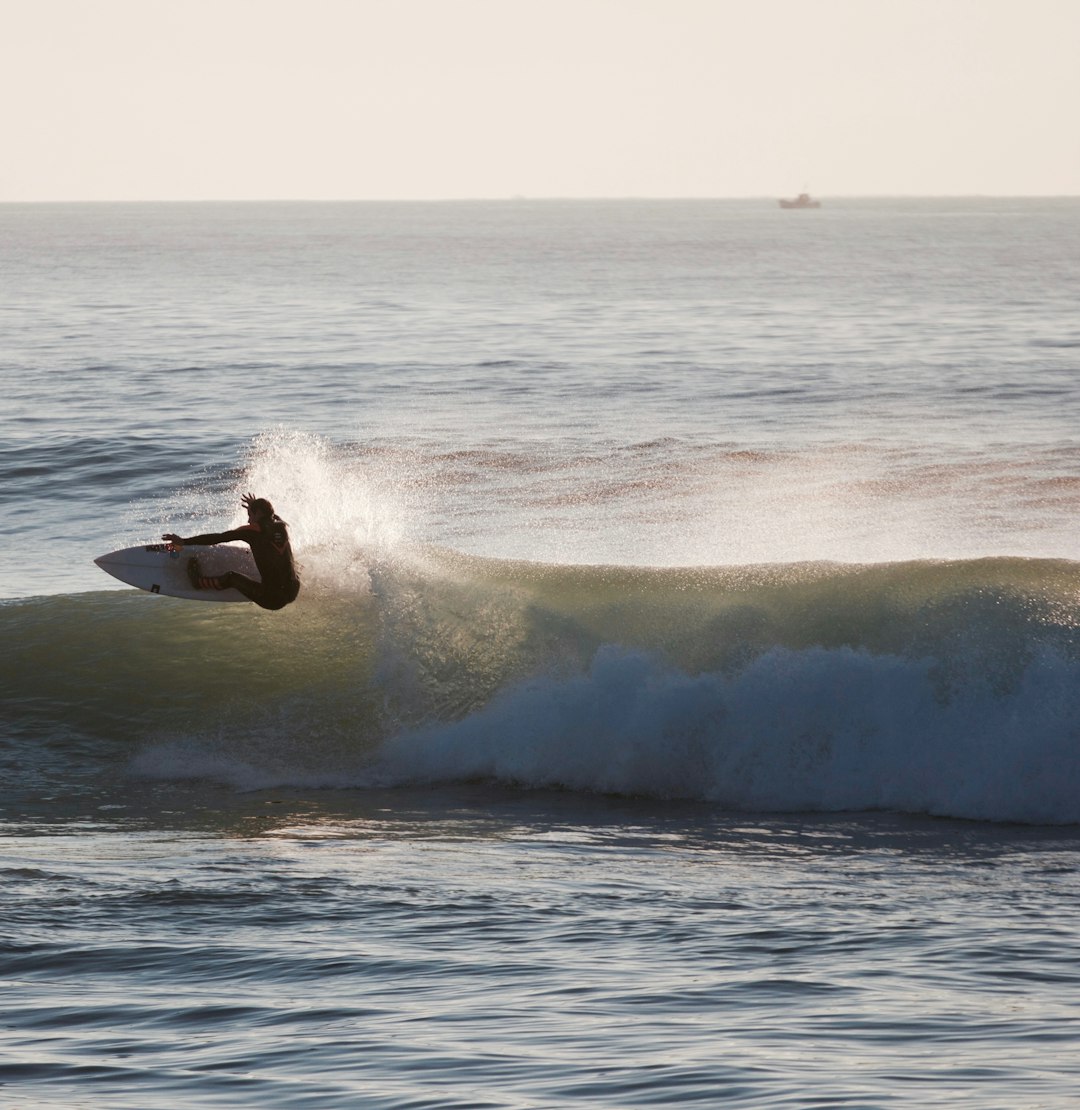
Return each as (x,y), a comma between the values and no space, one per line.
(803,200)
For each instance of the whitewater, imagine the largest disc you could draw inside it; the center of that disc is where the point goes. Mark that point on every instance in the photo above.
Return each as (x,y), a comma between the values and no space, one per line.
(682,701)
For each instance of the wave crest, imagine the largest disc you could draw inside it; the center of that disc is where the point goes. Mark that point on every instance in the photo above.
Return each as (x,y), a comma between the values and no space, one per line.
(948,688)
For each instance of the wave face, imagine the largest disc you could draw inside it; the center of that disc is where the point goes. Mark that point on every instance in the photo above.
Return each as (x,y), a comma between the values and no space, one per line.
(948,688)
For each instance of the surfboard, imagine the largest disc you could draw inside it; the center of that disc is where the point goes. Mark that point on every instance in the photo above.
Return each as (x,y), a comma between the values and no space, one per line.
(159,568)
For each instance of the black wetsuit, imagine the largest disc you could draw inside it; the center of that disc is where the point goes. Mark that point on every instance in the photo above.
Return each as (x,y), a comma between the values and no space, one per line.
(273,556)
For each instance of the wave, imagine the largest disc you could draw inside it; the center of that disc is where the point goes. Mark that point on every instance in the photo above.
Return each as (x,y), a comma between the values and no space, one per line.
(949,688)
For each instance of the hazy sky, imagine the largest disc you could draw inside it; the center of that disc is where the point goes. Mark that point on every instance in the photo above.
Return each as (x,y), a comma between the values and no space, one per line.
(203,99)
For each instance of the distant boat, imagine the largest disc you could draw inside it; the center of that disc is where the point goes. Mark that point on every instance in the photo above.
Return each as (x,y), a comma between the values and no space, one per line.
(803,200)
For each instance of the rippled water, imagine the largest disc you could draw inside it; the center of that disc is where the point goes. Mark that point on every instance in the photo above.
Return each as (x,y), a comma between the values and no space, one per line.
(634,382)
(681,702)
(471,948)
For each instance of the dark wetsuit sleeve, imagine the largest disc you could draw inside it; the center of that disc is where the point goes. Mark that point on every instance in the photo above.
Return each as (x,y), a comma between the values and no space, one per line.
(243,533)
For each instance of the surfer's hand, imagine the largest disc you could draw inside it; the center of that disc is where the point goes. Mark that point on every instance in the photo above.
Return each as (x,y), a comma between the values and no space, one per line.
(173,539)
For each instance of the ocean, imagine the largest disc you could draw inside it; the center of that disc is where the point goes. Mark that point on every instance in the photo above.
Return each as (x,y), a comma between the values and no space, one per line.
(682,704)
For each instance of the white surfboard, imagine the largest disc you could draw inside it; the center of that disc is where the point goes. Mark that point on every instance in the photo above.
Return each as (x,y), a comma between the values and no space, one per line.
(160,568)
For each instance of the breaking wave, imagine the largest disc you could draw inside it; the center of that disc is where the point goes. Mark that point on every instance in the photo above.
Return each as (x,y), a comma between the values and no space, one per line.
(949,688)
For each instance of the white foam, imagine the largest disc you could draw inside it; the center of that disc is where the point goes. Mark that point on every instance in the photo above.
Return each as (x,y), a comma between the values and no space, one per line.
(816,730)
(822,730)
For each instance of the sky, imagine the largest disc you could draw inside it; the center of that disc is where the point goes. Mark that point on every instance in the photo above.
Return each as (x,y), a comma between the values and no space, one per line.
(416,99)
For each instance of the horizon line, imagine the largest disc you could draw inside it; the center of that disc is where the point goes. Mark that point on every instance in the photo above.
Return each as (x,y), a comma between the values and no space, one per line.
(520,197)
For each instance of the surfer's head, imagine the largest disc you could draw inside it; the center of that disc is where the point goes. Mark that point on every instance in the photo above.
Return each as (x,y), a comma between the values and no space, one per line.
(258,508)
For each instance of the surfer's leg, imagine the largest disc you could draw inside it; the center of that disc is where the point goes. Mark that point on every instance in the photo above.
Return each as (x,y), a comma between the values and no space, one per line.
(252,589)
(257,592)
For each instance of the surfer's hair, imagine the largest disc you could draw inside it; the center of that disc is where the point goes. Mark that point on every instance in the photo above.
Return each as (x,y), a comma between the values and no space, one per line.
(262,507)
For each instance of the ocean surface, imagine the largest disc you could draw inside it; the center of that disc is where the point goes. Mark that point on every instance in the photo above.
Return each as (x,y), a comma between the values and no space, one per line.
(683,700)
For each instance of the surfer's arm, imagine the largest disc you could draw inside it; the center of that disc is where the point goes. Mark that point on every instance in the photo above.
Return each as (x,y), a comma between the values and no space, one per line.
(210,538)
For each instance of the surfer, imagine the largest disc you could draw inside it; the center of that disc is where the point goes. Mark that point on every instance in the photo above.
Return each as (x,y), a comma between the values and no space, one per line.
(268,536)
